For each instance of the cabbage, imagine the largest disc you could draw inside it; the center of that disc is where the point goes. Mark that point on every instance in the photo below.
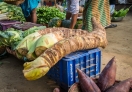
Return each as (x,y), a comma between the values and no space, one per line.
(10,38)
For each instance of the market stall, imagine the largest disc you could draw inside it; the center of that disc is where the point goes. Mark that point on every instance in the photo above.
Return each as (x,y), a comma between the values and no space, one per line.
(66,55)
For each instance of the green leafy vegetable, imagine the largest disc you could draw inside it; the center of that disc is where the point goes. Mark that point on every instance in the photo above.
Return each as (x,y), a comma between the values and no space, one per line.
(55,22)
(10,36)
(13,12)
(45,14)
(32,30)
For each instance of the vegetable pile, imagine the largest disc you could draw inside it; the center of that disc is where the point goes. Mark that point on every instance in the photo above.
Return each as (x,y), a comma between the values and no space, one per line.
(45,47)
(45,14)
(12,37)
(106,81)
(11,12)
(57,22)
(66,41)
(121,13)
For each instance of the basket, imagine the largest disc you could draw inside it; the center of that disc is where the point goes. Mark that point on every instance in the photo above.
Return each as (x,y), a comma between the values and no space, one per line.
(2,49)
(14,2)
(81,9)
(98,9)
(117,19)
(76,87)
(3,52)
(12,52)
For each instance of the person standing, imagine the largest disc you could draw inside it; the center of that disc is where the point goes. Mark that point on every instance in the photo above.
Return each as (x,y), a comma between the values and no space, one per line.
(100,10)
(72,12)
(29,10)
(112,6)
(112,9)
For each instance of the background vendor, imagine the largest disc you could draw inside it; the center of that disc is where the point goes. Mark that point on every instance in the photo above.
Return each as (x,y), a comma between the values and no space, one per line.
(72,11)
(29,10)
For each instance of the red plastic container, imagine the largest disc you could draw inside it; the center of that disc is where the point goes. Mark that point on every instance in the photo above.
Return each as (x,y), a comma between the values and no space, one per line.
(7,24)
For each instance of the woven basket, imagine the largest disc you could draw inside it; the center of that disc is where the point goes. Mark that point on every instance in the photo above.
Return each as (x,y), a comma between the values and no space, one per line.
(12,52)
(2,49)
(100,9)
(14,2)
(76,87)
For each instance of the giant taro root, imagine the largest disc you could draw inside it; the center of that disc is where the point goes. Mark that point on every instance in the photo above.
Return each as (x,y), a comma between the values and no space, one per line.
(41,65)
(25,45)
(123,86)
(49,39)
(107,76)
(86,83)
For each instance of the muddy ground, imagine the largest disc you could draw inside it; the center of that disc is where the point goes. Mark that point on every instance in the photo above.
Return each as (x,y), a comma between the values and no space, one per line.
(119,45)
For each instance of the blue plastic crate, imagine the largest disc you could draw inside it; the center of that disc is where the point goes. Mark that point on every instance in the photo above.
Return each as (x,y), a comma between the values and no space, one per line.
(64,72)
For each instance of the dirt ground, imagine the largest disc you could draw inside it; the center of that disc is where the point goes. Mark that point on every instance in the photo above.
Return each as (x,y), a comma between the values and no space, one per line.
(119,45)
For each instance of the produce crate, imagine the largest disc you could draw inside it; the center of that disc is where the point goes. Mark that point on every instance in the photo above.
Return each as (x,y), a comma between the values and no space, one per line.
(64,72)
(5,24)
(76,87)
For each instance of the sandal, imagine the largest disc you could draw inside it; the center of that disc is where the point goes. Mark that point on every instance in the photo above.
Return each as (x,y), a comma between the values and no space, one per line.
(111,26)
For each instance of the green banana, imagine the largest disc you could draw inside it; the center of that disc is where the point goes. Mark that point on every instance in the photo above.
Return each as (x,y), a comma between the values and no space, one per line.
(115,13)
(119,12)
(125,11)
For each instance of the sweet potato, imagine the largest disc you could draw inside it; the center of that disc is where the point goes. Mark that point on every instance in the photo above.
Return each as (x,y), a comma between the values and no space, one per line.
(86,83)
(123,86)
(107,76)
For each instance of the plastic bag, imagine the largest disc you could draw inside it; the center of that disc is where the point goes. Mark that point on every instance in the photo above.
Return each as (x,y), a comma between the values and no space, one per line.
(122,1)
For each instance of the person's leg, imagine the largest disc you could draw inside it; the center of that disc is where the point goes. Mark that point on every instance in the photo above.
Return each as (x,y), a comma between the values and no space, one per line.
(34,16)
(112,9)
(73,21)
(28,19)
(68,15)
(72,11)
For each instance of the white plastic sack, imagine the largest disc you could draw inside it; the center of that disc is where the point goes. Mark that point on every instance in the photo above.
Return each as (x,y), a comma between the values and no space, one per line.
(122,1)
